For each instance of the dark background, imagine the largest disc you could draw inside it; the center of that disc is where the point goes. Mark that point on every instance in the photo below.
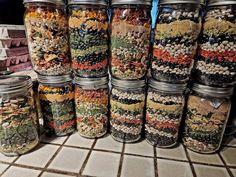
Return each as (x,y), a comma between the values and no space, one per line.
(11,12)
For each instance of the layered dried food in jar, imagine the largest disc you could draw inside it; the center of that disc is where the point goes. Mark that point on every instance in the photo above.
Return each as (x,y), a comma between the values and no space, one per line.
(18,122)
(163,116)
(91,111)
(205,123)
(175,42)
(130,42)
(215,63)
(126,113)
(57,107)
(88,29)
(46,27)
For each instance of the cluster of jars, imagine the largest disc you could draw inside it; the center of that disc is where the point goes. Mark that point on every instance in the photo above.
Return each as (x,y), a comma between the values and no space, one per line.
(80,43)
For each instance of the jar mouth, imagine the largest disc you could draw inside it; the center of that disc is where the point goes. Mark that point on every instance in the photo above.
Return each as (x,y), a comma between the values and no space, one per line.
(220,2)
(132,2)
(130,84)
(87,2)
(54,79)
(164,2)
(57,2)
(9,84)
(99,81)
(167,87)
(214,91)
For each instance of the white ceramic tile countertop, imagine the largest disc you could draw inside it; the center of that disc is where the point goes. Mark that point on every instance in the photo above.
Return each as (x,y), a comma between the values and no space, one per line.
(78,157)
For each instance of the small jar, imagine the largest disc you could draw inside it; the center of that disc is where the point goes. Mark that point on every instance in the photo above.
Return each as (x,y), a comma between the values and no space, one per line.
(47,34)
(164,110)
(176,34)
(207,114)
(91,102)
(130,38)
(88,30)
(18,117)
(127,101)
(215,63)
(56,95)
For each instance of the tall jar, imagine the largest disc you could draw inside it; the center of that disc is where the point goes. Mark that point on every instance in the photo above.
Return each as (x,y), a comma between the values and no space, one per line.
(130,38)
(127,101)
(91,103)
(215,64)
(88,30)
(164,110)
(18,117)
(207,114)
(176,34)
(47,34)
(56,95)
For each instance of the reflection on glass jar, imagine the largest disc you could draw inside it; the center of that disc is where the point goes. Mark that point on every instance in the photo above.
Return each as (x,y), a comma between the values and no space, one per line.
(56,95)
(18,117)
(207,115)
(164,110)
(216,60)
(88,29)
(176,34)
(91,100)
(130,35)
(127,100)
(46,28)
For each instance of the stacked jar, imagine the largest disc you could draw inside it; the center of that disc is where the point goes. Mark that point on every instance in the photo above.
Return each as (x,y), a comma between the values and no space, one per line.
(207,114)
(175,44)
(130,44)
(215,64)
(214,74)
(18,116)
(88,31)
(48,41)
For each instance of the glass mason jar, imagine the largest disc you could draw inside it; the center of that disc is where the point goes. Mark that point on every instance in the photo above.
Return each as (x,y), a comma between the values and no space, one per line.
(207,114)
(127,101)
(56,95)
(88,29)
(130,38)
(18,118)
(91,103)
(215,64)
(164,110)
(176,34)
(47,34)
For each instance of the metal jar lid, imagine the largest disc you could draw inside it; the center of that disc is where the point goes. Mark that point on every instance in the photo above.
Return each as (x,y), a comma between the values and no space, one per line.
(57,2)
(163,2)
(92,82)
(136,84)
(54,79)
(132,2)
(213,91)
(167,87)
(221,2)
(88,2)
(9,84)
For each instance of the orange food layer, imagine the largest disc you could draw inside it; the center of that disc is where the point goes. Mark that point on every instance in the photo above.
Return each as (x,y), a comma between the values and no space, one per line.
(102,64)
(66,125)
(166,57)
(160,124)
(227,55)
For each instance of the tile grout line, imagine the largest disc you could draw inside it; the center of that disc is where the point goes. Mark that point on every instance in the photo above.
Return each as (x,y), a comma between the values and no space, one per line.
(10,165)
(225,164)
(86,159)
(121,161)
(155,162)
(190,162)
(53,157)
